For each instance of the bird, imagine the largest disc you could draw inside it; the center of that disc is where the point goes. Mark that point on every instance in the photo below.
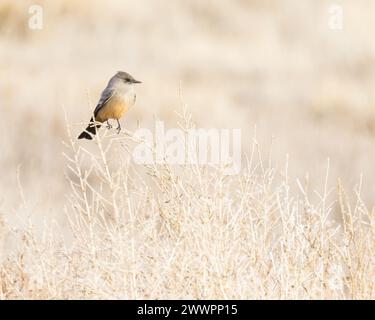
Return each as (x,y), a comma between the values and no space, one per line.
(115,100)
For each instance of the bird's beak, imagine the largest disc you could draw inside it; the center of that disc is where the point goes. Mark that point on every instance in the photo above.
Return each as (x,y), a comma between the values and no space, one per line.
(136,81)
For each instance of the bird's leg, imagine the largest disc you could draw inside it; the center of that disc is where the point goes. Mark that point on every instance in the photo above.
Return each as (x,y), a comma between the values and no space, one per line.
(118,127)
(109,126)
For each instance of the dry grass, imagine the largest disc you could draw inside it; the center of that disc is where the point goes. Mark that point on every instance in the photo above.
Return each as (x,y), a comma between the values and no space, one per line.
(81,220)
(157,232)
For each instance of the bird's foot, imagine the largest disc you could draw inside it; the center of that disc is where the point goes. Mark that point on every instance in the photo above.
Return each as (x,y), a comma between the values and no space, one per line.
(118,127)
(109,126)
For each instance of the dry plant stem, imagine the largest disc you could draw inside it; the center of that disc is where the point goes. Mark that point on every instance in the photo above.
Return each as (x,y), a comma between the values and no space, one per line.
(163,231)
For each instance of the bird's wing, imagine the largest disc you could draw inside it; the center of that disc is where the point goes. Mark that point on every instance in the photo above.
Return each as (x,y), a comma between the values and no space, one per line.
(104,98)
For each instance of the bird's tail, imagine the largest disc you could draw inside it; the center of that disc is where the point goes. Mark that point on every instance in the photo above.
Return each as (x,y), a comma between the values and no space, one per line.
(90,131)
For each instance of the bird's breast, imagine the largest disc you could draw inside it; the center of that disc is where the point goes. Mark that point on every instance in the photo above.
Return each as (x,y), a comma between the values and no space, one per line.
(115,108)
(118,105)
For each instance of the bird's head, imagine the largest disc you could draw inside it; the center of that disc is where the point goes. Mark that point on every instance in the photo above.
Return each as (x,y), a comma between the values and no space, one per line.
(126,77)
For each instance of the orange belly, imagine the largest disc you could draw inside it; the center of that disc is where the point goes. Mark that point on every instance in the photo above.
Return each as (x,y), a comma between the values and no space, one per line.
(113,109)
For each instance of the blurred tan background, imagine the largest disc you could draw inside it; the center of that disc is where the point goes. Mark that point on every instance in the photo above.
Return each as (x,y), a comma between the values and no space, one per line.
(274,64)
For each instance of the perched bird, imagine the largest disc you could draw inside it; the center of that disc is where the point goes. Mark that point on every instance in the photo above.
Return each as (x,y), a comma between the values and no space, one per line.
(115,101)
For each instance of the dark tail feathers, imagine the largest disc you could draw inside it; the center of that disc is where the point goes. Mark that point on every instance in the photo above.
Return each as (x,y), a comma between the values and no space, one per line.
(90,131)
